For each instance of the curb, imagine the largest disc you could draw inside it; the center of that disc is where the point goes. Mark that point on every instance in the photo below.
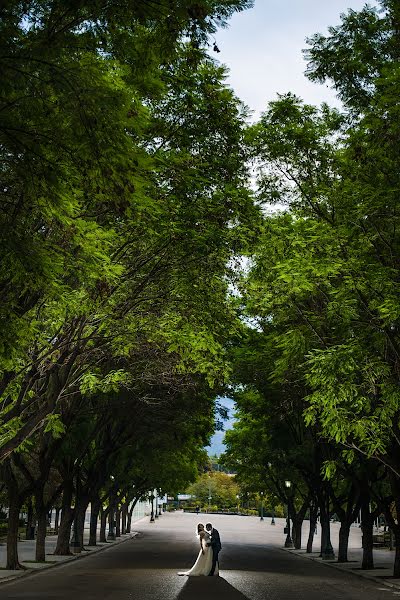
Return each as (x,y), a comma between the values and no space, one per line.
(68,559)
(335,565)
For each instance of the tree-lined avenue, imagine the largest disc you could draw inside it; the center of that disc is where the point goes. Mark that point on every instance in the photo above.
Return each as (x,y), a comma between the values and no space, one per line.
(253,567)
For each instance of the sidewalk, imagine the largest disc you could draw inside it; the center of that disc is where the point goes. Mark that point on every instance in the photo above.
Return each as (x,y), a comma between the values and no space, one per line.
(383,557)
(26,551)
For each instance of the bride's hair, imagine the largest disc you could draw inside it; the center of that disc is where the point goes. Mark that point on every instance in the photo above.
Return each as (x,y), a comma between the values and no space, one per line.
(200,527)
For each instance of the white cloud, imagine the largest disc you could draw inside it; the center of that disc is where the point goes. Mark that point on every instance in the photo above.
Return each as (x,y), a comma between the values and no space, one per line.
(263,49)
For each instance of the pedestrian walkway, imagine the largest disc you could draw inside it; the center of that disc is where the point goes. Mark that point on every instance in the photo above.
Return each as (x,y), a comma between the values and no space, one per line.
(383,561)
(383,557)
(26,553)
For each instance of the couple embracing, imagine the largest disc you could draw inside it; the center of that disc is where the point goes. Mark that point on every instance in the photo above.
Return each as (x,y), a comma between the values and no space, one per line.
(210,546)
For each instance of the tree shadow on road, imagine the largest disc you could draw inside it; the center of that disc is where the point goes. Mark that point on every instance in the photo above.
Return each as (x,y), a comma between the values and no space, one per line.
(212,588)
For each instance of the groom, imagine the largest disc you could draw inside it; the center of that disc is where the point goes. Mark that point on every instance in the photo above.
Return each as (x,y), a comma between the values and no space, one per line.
(215,545)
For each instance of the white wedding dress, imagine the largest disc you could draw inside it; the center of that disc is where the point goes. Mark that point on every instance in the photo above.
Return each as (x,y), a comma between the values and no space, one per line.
(203,563)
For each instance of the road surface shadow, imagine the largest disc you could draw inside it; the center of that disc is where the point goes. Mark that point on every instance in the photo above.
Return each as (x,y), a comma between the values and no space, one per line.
(212,588)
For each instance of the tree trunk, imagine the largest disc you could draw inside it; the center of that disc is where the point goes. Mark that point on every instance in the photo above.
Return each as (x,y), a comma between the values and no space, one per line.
(297,517)
(396,564)
(344,533)
(313,525)
(80,516)
(129,522)
(103,524)
(367,527)
(40,554)
(118,523)
(16,498)
(124,514)
(394,523)
(111,528)
(56,520)
(12,535)
(130,513)
(326,545)
(296,532)
(64,532)
(95,506)
(30,529)
(67,516)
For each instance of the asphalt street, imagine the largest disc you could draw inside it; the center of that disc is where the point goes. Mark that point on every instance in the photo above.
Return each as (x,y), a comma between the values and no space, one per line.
(253,567)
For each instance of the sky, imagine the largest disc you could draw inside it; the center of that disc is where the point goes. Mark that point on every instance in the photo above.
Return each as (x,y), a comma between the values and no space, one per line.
(262,47)
(217,442)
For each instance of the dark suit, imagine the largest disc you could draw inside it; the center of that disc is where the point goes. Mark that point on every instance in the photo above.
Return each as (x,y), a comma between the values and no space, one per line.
(216,548)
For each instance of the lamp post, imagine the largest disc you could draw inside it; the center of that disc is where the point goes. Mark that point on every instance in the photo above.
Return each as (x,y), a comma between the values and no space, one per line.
(273,508)
(159,504)
(152,519)
(262,506)
(156,503)
(288,541)
(238,502)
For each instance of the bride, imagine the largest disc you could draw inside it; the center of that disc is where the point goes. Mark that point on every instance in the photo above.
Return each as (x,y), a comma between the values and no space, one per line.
(203,563)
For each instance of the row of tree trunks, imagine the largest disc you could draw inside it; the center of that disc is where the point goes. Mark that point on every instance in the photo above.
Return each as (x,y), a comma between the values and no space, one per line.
(367,523)
(118,514)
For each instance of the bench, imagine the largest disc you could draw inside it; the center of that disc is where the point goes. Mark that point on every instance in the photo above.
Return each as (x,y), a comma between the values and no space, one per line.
(381,540)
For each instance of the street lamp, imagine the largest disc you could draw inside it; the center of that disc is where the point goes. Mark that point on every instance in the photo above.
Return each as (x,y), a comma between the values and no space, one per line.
(159,504)
(238,502)
(288,541)
(111,530)
(262,507)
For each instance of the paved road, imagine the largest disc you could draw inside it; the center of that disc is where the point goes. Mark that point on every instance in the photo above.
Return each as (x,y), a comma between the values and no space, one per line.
(145,568)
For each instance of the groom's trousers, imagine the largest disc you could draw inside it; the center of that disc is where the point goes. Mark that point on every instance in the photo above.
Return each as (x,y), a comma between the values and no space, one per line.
(215,560)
